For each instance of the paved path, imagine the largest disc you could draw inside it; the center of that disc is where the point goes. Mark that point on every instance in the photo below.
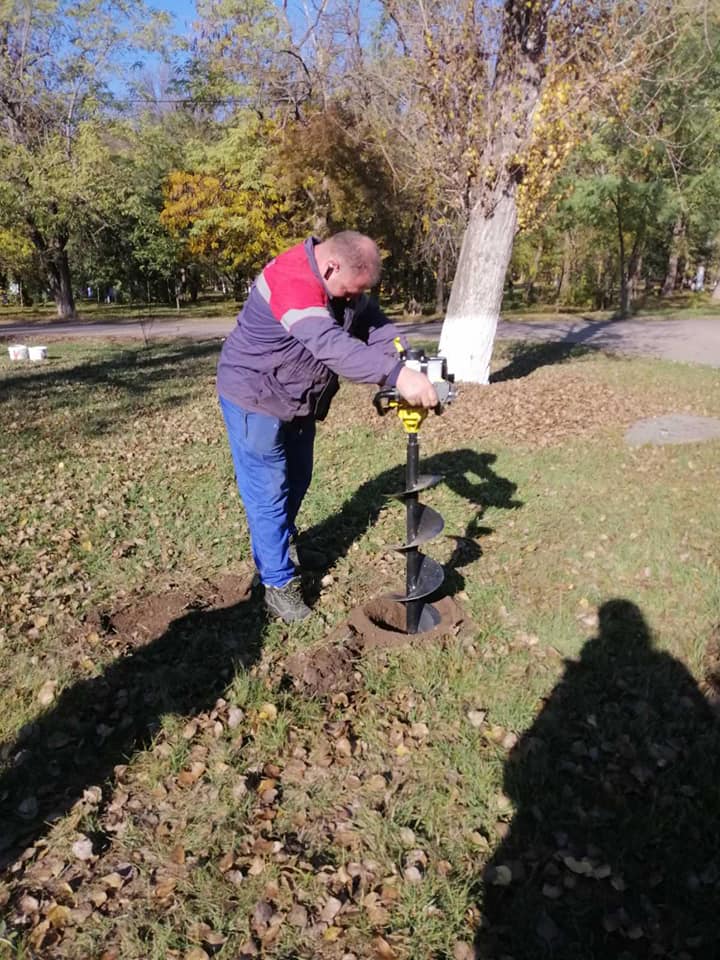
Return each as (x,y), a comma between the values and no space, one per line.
(694,340)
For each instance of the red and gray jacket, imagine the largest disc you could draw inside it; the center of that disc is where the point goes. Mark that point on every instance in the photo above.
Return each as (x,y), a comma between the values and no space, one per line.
(292,340)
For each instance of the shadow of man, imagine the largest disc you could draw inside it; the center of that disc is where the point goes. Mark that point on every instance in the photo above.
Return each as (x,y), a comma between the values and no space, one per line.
(100,722)
(614,849)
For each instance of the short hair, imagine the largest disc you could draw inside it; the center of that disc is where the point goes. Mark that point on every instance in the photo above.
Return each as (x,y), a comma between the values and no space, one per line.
(359,252)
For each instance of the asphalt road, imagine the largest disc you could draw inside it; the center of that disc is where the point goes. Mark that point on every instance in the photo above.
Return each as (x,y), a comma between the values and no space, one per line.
(694,340)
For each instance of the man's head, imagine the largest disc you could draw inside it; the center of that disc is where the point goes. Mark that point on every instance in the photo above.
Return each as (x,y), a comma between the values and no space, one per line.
(349,263)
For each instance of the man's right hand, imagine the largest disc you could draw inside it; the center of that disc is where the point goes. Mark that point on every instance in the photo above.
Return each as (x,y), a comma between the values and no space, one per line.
(416,389)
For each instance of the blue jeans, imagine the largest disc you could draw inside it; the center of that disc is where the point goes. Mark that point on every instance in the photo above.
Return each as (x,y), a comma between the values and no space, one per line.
(273,467)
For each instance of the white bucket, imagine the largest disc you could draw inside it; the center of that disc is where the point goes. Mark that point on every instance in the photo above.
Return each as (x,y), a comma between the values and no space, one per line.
(38,353)
(18,351)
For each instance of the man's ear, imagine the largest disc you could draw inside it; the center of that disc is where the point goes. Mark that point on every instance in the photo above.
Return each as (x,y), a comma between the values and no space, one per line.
(328,273)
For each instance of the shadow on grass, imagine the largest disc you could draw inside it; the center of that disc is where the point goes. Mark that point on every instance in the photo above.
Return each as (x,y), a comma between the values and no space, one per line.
(126,373)
(101,722)
(614,849)
(60,405)
(466,472)
(527,357)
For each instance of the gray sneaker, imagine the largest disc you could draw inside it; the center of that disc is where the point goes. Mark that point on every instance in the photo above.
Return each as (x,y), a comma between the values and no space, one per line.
(287,602)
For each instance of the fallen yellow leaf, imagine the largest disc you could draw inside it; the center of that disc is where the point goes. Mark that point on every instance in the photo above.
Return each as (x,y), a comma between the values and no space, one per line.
(268,711)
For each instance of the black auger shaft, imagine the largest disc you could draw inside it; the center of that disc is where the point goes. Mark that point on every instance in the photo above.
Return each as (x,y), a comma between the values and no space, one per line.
(412,557)
(423,575)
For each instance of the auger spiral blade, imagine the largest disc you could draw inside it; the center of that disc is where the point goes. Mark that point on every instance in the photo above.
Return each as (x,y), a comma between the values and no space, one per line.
(428,524)
(429,577)
(423,575)
(424,482)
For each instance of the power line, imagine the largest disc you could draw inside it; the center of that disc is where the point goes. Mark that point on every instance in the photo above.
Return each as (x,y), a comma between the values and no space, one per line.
(68,98)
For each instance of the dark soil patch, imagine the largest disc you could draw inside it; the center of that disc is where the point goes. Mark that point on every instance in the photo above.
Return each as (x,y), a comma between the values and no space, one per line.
(381,623)
(148,618)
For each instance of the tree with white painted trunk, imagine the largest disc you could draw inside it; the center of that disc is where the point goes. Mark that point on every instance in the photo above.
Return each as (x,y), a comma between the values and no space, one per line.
(469,329)
(486,101)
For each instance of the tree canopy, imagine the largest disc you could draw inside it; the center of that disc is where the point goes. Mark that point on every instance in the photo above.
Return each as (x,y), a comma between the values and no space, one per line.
(564,150)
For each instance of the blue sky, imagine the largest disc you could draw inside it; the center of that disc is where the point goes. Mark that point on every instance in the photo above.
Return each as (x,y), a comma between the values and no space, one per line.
(182,10)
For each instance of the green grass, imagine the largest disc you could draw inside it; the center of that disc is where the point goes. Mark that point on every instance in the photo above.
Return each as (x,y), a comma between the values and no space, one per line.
(682,305)
(90,310)
(543,784)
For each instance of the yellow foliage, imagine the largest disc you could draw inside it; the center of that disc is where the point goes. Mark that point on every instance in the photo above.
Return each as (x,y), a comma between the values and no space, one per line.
(220,218)
(560,123)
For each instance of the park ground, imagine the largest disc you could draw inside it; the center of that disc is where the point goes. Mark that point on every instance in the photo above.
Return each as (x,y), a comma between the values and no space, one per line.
(683,304)
(542,782)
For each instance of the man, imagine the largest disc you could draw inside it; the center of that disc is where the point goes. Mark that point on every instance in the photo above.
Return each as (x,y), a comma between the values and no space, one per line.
(305,321)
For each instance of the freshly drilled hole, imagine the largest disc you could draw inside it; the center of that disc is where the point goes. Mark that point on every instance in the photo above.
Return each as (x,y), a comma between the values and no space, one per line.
(386,615)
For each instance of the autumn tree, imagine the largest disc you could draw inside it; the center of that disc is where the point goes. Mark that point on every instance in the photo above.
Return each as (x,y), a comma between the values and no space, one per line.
(492,93)
(638,203)
(56,151)
(226,206)
(682,120)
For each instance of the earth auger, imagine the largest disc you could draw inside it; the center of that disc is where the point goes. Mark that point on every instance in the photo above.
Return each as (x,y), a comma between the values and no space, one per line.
(423,574)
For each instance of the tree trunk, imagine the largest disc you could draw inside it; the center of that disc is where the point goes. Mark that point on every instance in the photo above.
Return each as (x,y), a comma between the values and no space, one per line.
(54,259)
(678,237)
(440,285)
(58,271)
(562,292)
(716,291)
(468,332)
(634,276)
(469,329)
(622,263)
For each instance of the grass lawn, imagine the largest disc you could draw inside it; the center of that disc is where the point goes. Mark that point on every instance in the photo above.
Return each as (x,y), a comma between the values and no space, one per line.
(542,784)
(92,312)
(682,305)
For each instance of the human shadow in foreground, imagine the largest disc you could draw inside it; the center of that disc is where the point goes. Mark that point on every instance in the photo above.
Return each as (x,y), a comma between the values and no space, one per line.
(100,722)
(614,849)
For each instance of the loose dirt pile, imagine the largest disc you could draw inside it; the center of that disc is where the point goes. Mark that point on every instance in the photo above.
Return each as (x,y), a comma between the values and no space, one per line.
(147,618)
(325,669)
(377,625)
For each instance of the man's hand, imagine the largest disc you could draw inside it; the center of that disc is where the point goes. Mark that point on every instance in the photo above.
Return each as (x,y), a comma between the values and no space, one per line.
(416,389)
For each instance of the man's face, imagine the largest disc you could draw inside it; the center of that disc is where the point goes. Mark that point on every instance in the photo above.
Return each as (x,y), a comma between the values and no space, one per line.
(343,282)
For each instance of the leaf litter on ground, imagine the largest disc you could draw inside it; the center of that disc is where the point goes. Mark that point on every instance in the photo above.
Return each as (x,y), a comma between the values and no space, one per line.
(264,822)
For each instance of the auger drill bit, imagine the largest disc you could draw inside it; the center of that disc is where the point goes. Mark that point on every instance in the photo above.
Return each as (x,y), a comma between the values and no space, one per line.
(423,574)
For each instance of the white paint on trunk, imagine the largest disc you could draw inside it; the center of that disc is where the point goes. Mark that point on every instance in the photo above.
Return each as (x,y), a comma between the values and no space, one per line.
(468,332)
(467,342)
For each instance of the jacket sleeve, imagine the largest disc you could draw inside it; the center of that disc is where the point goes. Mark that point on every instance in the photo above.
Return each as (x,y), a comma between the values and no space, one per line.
(370,362)
(380,330)
(298,301)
